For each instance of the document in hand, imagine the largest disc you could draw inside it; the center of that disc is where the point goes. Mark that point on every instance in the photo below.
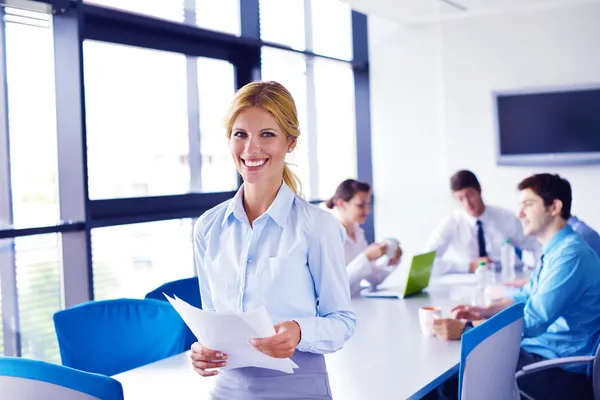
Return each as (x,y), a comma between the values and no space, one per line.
(230,334)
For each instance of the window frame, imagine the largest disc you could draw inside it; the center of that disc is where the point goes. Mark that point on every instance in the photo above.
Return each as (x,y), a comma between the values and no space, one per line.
(74,22)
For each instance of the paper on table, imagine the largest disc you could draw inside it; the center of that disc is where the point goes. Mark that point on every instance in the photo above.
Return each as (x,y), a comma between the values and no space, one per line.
(230,333)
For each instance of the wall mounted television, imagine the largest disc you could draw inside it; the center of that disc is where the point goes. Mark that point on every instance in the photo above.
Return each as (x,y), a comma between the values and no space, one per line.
(548,127)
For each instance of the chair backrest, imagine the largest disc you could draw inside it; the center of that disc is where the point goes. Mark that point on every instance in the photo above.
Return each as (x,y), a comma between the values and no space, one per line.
(26,379)
(112,336)
(489,355)
(188,290)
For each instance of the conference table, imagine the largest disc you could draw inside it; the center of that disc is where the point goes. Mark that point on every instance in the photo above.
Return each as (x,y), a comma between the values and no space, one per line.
(387,358)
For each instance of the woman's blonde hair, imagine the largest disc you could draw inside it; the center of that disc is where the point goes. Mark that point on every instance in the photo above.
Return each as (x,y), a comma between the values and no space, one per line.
(276,99)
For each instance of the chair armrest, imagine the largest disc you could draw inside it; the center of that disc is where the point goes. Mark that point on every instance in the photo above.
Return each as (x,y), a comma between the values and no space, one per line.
(557,362)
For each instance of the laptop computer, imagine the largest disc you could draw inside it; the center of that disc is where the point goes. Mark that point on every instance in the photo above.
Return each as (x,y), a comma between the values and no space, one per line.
(401,282)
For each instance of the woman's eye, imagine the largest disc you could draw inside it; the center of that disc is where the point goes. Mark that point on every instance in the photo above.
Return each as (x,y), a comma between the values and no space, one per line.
(240,134)
(268,134)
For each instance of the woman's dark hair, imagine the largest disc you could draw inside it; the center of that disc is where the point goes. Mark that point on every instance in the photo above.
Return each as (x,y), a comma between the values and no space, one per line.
(346,191)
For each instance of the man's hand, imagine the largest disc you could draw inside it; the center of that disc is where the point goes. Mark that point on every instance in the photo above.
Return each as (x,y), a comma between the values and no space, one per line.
(283,343)
(470,313)
(518,283)
(473,266)
(448,328)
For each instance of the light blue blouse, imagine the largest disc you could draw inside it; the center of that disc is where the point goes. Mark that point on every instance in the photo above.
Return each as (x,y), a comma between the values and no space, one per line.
(291,261)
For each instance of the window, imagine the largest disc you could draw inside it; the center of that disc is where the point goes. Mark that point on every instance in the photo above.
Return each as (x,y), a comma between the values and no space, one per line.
(6,261)
(215,91)
(283,22)
(38,266)
(137,127)
(222,15)
(171,10)
(331,28)
(336,129)
(32,119)
(131,260)
(289,69)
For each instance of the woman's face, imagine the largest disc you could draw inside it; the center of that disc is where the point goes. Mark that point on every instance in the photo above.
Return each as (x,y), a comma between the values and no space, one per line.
(258,146)
(357,209)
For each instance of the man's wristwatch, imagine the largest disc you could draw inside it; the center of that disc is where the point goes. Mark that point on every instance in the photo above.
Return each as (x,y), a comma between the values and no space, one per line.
(468,326)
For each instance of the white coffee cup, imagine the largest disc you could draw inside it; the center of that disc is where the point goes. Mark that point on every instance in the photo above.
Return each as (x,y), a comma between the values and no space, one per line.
(426,317)
(391,247)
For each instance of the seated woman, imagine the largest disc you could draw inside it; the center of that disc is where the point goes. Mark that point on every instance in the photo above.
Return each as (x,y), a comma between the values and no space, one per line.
(352,205)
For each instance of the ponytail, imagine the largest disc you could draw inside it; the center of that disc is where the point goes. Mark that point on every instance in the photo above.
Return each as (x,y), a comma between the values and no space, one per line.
(291,179)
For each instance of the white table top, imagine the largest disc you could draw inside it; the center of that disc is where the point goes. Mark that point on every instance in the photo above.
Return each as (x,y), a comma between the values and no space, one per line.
(387,358)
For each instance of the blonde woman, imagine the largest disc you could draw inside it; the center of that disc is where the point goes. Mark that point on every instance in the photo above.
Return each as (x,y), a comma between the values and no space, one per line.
(269,247)
(365,262)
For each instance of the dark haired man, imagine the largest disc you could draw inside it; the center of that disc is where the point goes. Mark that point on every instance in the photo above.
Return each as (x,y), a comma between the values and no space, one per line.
(475,232)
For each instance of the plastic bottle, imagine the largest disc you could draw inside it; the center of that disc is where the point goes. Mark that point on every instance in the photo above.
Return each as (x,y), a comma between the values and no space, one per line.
(482,274)
(507,260)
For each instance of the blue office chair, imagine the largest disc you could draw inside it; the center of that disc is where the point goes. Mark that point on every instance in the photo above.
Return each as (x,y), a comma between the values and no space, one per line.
(489,356)
(112,336)
(188,290)
(25,379)
(593,369)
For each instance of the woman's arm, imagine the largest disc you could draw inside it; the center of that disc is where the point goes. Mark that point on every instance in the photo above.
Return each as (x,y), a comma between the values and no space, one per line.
(199,251)
(358,269)
(336,320)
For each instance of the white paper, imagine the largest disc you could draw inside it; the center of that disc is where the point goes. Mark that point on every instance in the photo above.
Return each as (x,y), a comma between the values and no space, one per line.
(230,334)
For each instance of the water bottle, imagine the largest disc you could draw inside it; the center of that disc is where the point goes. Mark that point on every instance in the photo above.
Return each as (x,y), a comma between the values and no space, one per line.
(507,260)
(482,274)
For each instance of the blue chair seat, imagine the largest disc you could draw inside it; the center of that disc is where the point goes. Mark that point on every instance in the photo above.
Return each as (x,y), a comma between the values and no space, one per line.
(112,336)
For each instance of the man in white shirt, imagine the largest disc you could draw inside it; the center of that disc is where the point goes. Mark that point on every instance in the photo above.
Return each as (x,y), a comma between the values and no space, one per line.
(475,232)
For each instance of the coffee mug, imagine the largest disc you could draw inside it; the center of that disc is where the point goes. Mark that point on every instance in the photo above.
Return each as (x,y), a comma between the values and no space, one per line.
(391,247)
(426,317)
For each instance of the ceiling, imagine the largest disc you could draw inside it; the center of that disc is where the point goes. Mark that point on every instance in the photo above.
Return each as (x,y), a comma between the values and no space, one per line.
(432,11)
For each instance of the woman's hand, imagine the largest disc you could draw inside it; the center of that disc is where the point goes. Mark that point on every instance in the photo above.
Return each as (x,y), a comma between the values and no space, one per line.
(375,250)
(283,343)
(396,260)
(204,359)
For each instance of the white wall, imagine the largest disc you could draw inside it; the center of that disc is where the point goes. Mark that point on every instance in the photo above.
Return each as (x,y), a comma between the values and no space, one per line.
(431,100)
(559,47)
(407,145)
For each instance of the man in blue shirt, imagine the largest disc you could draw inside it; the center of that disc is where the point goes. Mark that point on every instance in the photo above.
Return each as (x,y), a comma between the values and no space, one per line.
(562,300)
(587,233)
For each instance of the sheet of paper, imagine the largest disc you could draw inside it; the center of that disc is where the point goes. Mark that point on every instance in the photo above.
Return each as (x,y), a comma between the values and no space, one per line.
(230,334)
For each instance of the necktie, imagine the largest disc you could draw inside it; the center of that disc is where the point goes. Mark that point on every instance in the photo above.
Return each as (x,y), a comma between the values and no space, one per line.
(481,240)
